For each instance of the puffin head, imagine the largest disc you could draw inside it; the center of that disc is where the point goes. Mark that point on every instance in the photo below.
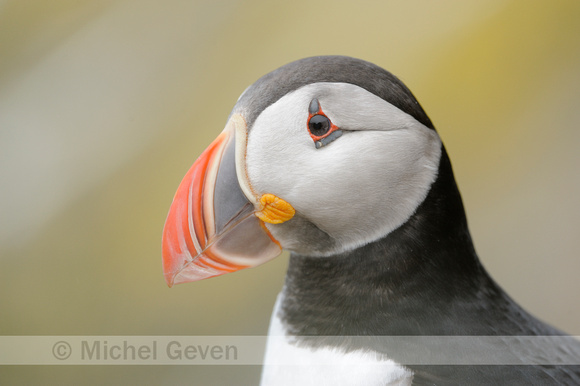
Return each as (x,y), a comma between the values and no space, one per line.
(318,157)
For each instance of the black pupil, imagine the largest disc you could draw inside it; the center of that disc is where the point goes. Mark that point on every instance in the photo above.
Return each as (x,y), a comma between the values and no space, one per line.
(319,125)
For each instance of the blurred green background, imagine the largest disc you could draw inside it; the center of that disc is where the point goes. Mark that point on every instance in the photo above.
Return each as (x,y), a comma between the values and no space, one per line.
(104,105)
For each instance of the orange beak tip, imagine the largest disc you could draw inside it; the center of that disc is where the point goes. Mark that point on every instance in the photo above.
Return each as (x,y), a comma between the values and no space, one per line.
(201,239)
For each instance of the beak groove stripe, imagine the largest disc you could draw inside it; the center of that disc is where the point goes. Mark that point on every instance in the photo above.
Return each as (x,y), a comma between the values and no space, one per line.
(197,213)
(198,242)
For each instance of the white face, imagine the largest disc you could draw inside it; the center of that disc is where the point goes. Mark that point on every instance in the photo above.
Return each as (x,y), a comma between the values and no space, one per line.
(356,189)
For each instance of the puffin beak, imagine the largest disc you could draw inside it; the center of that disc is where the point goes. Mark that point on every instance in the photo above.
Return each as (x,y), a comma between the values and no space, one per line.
(213,226)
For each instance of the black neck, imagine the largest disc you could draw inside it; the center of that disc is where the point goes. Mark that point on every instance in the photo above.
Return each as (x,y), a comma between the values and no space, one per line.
(421,270)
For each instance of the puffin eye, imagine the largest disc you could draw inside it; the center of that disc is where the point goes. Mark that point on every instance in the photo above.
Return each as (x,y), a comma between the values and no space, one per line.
(319,125)
(321,129)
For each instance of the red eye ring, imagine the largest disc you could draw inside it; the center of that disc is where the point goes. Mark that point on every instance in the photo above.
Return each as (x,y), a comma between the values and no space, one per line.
(319,125)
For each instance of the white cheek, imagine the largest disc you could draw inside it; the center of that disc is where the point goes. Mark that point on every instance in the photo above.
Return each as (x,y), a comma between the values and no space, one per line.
(279,149)
(358,188)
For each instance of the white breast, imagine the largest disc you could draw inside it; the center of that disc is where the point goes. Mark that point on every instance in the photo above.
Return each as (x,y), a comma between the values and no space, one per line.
(287,364)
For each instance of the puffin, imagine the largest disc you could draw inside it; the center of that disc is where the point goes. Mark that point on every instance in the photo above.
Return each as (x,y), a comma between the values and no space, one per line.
(333,159)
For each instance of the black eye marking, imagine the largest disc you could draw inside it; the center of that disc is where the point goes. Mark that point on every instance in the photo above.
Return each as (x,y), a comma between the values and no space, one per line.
(329,138)
(319,125)
(314,107)
(321,129)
